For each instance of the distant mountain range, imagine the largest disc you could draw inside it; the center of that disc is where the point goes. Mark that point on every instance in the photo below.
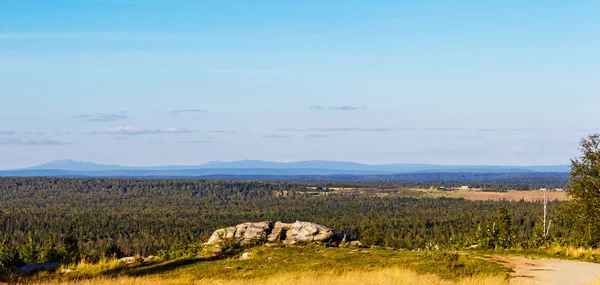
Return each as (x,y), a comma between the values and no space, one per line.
(70,168)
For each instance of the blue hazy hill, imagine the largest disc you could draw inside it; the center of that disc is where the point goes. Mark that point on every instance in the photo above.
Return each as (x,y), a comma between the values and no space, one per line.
(257,167)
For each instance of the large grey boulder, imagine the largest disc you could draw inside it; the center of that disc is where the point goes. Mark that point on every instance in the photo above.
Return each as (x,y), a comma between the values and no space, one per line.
(289,234)
(41,266)
(241,234)
(308,232)
(279,232)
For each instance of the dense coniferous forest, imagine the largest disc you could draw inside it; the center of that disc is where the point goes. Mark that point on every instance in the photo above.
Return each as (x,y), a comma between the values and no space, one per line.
(489,180)
(485,180)
(137,216)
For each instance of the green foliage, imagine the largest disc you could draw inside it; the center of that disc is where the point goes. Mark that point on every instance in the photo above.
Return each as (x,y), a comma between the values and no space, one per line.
(256,242)
(497,232)
(451,258)
(227,244)
(372,236)
(537,239)
(113,251)
(71,249)
(28,252)
(584,208)
(50,252)
(154,215)
(180,251)
(8,255)
(505,234)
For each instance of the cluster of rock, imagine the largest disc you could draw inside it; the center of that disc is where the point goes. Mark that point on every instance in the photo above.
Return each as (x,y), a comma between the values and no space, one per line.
(260,232)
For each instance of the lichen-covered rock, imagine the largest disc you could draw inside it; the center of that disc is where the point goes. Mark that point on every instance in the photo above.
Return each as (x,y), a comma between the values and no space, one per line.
(241,234)
(308,232)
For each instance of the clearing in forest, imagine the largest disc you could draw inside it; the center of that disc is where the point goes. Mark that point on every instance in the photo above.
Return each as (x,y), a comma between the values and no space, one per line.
(513,195)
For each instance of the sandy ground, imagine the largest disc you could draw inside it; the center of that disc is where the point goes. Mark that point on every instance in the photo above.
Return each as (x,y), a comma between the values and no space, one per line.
(551,271)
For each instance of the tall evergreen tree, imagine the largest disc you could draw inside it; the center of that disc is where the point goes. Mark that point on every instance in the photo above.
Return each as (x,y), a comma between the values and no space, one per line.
(584,190)
(28,252)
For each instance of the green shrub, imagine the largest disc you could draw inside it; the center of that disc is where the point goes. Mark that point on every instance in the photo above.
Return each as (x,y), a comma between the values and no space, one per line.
(28,252)
(372,237)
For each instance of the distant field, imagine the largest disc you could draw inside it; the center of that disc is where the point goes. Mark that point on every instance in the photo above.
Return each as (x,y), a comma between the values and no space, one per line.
(529,196)
(470,194)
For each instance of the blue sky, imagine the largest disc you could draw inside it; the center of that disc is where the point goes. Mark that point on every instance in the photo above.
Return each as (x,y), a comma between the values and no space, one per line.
(152,82)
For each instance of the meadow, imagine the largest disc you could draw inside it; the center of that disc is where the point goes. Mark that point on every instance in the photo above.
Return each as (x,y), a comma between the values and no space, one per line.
(298,264)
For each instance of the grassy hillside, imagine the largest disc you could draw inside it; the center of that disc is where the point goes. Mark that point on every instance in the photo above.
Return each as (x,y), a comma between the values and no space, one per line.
(299,265)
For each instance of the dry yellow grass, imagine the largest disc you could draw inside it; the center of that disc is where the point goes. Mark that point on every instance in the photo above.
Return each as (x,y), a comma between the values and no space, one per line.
(378,277)
(530,196)
(589,254)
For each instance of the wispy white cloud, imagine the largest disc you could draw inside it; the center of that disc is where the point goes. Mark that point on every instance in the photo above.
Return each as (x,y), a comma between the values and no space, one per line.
(589,130)
(487,130)
(126,131)
(102,117)
(317,136)
(526,129)
(7,133)
(32,133)
(335,129)
(208,141)
(276,136)
(30,142)
(295,129)
(448,129)
(375,129)
(470,137)
(185,111)
(337,108)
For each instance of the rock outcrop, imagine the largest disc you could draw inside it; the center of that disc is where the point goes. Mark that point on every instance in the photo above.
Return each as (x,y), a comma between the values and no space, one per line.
(279,232)
(243,234)
(306,232)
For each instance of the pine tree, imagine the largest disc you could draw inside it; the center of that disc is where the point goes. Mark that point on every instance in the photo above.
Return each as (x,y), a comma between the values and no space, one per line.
(505,231)
(71,246)
(28,252)
(50,253)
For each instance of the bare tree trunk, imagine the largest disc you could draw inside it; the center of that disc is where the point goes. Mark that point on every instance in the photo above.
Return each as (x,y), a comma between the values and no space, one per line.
(544,219)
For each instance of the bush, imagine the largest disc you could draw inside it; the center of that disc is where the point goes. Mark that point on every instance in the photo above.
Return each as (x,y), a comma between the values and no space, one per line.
(180,251)
(372,237)
(113,250)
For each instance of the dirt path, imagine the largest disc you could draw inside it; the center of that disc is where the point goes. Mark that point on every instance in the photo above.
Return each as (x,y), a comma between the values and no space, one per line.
(550,271)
